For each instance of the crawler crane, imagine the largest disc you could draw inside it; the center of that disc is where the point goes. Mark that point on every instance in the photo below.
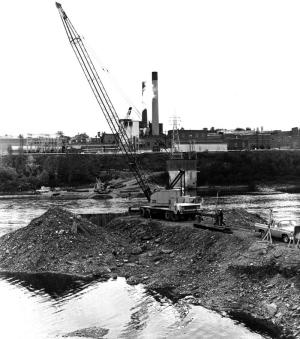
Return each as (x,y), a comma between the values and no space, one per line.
(169,203)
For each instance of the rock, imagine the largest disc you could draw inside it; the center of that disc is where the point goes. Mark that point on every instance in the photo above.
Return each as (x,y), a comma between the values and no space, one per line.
(136,250)
(114,276)
(147,237)
(132,280)
(91,332)
(271,309)
(106,269)
(166,251)
(258,247)
(130,264)
(102,271)
(270,285)
(158,258)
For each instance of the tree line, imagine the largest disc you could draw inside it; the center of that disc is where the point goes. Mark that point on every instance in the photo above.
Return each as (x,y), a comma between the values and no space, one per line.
(25,172)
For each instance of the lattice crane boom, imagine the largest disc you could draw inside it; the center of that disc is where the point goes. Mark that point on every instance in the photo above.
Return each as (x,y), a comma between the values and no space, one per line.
(103,99)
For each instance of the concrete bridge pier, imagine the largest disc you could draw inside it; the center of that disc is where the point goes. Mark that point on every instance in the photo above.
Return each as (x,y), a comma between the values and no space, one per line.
(190,168)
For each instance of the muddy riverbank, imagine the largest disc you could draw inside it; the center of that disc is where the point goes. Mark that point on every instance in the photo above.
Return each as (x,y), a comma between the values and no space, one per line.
(233,273)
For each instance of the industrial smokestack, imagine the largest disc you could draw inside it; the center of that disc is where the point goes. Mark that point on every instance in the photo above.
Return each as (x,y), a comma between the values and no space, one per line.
(144,118)
(143,90)
(155,120)
(144,112)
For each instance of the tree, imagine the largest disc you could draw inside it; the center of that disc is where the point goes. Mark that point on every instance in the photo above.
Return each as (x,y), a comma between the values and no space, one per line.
(81,138)
(60,134)
(9,150)
(21,148)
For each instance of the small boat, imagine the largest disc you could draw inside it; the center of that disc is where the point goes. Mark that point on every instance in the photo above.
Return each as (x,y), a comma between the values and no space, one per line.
(101,196)
(43,190)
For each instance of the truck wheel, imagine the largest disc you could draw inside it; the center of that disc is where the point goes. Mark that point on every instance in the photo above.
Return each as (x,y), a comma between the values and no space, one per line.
(285,238)
(174,217)
(147,213)
(142,211)
(168,215)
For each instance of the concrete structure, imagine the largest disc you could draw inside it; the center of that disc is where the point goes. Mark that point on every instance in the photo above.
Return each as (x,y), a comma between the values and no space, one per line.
(155,117)
(8,142)
(44,143)
(199,141)
(252,140)
(108,138)
(202,147)
(190,167)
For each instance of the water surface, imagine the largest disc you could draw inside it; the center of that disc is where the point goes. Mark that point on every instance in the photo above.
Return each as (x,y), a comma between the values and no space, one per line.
(16,213)
(33,310)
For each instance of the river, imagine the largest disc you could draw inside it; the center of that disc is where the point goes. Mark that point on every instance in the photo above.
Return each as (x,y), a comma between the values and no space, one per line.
(33,307)
(16,213)
(38,308)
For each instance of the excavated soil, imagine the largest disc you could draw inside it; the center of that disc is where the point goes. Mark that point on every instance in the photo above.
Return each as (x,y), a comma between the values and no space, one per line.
(254,281)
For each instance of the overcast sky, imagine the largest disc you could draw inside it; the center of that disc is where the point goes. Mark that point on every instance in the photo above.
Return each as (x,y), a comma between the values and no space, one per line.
(220,63)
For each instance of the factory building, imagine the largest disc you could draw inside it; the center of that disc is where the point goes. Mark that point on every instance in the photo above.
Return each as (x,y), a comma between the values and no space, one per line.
(199,141)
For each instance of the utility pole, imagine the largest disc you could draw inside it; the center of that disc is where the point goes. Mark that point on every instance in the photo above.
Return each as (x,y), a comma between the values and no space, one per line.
(175,143)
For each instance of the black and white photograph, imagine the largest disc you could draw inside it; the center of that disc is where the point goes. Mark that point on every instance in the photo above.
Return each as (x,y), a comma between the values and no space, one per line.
(150,169)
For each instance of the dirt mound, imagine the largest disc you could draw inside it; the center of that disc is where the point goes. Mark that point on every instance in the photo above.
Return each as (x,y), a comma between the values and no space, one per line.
(239,218)
(57,241)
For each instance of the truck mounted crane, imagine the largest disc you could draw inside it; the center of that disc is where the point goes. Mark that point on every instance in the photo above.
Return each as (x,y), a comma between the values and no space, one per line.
(170,203)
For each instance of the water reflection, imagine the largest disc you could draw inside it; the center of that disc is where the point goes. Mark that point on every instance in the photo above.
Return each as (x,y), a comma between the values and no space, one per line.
(56,285)
(30,308)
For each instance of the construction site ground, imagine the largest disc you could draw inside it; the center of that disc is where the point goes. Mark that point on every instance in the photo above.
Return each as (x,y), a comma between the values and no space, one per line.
(248,279)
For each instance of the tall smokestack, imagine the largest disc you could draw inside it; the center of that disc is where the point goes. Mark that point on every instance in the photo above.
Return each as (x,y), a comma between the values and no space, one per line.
(144,112)
(155,122)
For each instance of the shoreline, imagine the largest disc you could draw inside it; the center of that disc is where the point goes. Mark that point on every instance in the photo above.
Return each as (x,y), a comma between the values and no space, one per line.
(211,190)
